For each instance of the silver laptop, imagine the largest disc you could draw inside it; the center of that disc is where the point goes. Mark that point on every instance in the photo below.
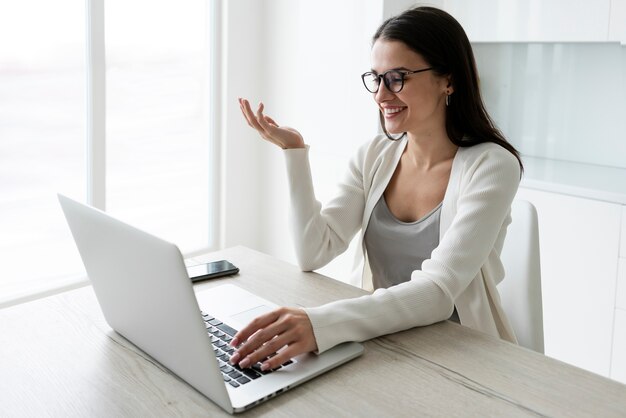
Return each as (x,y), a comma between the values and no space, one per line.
(144,291)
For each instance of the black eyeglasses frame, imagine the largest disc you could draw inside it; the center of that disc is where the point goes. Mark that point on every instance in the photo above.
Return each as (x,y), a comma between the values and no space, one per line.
(383,76)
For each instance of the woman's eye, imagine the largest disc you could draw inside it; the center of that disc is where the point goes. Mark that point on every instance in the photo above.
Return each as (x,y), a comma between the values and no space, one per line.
(394,78)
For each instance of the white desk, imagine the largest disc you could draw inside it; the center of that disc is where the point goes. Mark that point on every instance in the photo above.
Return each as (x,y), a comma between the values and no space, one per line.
(58,357)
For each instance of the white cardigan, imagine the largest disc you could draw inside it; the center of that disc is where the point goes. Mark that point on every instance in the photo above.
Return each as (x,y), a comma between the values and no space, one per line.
(463,270)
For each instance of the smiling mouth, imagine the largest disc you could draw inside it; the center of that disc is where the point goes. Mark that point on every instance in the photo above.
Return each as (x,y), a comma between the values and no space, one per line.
(392,111)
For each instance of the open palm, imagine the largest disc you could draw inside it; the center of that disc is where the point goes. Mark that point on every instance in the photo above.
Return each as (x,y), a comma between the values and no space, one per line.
(283,136)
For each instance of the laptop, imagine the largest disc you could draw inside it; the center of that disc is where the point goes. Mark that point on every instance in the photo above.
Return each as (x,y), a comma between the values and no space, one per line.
(145,294)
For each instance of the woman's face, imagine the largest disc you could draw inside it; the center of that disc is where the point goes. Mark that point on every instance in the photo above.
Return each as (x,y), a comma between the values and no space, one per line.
(419,108)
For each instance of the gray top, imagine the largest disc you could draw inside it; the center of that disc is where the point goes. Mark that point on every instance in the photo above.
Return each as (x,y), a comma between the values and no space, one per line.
(395,248)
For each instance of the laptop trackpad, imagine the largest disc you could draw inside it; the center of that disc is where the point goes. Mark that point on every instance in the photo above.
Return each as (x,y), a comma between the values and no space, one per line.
(248,315)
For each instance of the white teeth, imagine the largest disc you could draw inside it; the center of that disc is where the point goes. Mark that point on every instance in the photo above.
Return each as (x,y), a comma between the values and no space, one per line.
(393,110)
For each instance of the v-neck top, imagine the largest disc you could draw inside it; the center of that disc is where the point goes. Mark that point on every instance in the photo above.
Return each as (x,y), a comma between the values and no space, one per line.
(396,248)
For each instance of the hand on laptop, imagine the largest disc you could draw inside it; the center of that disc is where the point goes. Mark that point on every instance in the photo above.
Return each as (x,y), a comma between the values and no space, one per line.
(267,334)
(282,136)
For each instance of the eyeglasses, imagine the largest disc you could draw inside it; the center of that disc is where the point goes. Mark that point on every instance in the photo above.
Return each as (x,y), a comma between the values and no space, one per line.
(393,79)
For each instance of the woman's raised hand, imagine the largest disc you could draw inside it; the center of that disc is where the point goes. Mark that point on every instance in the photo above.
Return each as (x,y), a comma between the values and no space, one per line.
(269,130)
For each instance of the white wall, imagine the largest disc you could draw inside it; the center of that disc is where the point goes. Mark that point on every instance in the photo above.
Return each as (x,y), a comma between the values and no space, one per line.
(303,59)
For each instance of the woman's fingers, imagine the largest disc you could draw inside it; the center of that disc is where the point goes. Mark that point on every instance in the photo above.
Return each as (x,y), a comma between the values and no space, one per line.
(267,127)
(265,351)
(283,356)
(245,113)
(271,121)
(251,117)
(279,335)
(257,121)
(261,117)
(261,330)
(271,130)
(255,325)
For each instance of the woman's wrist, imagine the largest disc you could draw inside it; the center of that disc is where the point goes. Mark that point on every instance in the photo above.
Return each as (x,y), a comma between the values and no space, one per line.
(296,147)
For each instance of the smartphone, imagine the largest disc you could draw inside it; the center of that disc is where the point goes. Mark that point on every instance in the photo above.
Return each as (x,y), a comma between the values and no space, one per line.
(211,270)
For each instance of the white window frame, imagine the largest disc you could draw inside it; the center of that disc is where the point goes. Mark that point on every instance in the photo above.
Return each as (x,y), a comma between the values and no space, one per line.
(214,34)
(96,105)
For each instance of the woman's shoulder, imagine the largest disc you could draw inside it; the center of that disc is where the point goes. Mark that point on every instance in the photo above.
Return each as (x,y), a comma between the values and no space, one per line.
(491,157)
(487,150)
(374,154)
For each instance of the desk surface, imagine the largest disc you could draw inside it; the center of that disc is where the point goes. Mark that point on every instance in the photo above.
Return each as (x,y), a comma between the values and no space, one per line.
(58,357)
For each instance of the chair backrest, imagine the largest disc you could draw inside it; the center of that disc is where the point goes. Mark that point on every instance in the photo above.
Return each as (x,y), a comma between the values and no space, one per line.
(520,291)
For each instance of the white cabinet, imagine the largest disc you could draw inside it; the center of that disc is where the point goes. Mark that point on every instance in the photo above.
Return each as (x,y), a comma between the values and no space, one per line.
(538,21)
(618,362)
(620,298)
(617,21)
(579,244)
(618,365)
(622,247)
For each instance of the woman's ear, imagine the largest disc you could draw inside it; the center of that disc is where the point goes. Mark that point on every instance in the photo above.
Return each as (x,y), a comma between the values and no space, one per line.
(450,85)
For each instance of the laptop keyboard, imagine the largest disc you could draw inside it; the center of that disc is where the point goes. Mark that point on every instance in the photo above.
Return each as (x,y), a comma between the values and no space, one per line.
(221,335)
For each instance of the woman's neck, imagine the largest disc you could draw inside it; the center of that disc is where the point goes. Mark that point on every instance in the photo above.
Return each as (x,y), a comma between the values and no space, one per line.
(427,150)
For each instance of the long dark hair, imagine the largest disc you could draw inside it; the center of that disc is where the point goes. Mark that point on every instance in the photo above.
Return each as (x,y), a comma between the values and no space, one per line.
(442,42)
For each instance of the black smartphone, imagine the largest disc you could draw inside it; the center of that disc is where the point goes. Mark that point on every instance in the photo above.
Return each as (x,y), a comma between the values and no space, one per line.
(211,270)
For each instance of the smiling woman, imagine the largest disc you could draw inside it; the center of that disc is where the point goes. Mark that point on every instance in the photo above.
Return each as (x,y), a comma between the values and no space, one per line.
(431,204)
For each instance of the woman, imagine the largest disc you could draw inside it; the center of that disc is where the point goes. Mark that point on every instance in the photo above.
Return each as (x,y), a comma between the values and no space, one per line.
(432,201)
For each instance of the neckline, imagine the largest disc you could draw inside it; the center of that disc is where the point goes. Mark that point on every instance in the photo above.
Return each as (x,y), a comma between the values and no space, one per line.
(420,220)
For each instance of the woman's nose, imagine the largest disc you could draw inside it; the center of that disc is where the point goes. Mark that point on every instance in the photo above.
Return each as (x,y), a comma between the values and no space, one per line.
(382,94)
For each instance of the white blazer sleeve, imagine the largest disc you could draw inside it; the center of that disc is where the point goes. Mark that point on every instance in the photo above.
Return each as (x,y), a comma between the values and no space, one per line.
(321,235)
(488,185)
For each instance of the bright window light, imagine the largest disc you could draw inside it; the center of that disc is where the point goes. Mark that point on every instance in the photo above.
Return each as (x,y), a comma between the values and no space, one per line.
(157,131)
(42,138)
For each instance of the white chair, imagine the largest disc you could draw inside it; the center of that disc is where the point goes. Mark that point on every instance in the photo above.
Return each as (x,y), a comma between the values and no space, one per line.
(520,291)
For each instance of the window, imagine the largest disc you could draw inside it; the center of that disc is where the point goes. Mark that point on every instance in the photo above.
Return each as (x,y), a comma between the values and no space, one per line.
(156,174)
(157,147)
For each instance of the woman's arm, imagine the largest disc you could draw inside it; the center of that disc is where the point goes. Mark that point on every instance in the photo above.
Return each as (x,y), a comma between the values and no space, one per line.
(319,234)
(487,190)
